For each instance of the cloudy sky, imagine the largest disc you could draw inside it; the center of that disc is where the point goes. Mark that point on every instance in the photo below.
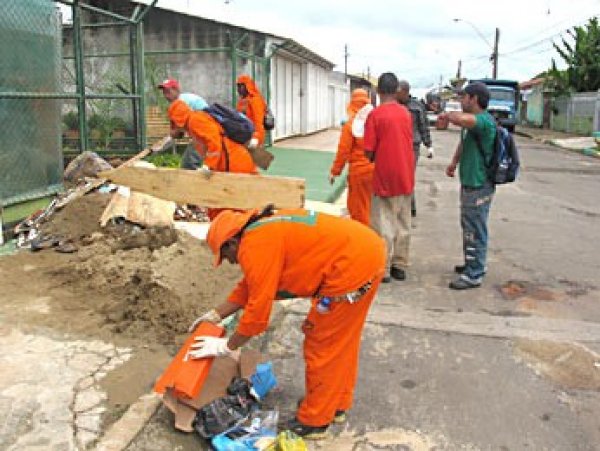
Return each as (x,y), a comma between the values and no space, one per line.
(418,39)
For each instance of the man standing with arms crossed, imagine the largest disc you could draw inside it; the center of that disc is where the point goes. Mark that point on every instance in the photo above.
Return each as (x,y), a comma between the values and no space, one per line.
(473,154)
(388,142)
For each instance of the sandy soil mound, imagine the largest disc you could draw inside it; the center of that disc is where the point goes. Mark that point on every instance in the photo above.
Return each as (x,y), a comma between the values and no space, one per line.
(147,283)
(77,219)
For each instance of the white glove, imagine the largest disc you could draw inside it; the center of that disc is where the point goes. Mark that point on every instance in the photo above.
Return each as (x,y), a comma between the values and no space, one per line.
(212,316)
(164,144)
(209,347)
(253,143)
(206,172)
(430,152)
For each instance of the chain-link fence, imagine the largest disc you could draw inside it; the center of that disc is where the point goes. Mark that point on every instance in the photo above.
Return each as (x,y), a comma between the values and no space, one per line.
(30,62)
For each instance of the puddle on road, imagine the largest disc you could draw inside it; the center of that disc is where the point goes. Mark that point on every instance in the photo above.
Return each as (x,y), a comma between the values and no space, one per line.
(568,364)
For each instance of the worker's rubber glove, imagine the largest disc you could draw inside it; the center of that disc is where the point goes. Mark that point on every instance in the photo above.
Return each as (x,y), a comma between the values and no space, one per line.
(430,152)
(164,144)
(209,347)
(212,316)
(253,143)
(206,172)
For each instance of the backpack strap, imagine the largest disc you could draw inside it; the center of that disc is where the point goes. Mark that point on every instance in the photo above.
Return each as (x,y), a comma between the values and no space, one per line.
(225,152)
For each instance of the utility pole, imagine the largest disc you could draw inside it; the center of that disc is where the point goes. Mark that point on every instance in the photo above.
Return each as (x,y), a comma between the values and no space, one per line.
(458,72)
(369,73)
(345,62)
(495,55)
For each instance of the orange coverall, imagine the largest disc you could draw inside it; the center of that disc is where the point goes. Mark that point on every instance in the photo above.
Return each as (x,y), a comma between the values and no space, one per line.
(253,106)
(351,151)
(219,152)
(299,253)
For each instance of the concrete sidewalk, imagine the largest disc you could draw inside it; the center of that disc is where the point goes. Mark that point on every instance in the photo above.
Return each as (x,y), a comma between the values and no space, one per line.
(586,145)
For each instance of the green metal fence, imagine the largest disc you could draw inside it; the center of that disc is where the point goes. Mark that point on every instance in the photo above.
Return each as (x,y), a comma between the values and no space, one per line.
(30,105)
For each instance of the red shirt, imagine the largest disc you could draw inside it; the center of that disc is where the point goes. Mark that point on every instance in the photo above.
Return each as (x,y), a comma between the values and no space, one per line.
(388,133)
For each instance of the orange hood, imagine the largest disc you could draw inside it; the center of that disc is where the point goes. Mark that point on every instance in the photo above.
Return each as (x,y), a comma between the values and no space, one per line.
(247,81)
(359,99)
(179,113)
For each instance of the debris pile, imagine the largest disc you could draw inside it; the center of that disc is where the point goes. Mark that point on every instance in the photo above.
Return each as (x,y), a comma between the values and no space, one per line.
(147,282)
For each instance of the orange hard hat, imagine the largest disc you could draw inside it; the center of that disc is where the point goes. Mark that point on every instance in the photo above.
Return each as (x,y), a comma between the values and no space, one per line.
(225,226)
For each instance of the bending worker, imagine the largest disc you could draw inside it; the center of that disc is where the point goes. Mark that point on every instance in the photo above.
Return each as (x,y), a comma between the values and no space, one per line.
(253,106)
(298,253)
(351,150)
(220,153)
(172,91)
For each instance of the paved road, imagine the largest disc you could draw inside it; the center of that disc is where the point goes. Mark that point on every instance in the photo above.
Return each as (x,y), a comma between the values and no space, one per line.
(512,365)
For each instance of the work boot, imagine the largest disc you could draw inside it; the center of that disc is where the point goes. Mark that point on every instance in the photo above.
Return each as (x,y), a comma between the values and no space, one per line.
(398,273)
(340,417)
(464,283)
(307,432)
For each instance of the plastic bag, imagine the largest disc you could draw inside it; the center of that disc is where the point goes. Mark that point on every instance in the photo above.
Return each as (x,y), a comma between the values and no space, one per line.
(224,413)
(288,441)
(256,434)
(263,380)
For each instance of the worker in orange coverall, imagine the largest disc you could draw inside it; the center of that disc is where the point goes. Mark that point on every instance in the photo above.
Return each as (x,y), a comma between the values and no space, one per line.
(351,150)
(252,104)
(298,253)
(220,153)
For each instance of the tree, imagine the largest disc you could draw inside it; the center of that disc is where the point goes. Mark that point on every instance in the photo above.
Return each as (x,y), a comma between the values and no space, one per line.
(581,53)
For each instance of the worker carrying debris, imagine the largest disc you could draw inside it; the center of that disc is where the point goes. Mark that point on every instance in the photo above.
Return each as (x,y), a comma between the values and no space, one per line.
(295,253)
(219,152)
(351,150)
(253,105)
(171,90)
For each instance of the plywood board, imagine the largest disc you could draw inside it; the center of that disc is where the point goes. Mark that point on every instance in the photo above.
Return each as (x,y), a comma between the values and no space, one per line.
(221,190)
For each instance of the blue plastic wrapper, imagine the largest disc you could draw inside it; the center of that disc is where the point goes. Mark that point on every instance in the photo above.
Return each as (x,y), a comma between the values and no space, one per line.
(263,380)
(260,427)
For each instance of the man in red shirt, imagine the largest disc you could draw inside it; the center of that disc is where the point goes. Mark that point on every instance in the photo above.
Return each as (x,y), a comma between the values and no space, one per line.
(388,142)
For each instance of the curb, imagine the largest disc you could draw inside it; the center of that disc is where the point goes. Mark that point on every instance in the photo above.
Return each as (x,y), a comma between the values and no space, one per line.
(584,152)
(120,434)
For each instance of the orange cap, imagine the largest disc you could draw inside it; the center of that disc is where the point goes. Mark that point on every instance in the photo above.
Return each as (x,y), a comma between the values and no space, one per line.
(179,112)
(226,225)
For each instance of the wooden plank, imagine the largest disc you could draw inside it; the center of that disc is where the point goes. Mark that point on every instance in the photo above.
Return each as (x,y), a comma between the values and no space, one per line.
(222,190)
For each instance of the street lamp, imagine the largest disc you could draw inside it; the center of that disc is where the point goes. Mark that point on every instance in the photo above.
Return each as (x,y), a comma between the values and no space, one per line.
(494,48)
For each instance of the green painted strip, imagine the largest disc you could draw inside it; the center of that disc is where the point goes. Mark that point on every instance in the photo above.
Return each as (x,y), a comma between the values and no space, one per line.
(310,219)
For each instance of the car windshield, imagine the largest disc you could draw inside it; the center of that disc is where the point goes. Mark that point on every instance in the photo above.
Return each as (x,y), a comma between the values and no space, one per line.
(503,95)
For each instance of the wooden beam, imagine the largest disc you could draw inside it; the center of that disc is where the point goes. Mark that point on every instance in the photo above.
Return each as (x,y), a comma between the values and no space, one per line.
(222,190)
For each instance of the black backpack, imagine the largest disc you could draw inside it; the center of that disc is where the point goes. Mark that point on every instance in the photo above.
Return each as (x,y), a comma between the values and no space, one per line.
(504,164)
(237,127)
(269,120)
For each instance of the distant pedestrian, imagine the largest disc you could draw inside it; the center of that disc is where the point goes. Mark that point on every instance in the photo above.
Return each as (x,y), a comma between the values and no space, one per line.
(473,153)
(351,150)
(171,90)
(388,142)
(254,106)
(421,133)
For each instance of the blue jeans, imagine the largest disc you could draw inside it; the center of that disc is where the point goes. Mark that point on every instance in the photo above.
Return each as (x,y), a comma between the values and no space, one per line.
(474,211)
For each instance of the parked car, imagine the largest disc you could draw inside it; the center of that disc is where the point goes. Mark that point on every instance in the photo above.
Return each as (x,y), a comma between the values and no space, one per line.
(452,105)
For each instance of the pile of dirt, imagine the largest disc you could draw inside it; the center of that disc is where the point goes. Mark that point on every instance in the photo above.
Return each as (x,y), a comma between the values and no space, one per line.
(148,283)
(78,219)
(153,283)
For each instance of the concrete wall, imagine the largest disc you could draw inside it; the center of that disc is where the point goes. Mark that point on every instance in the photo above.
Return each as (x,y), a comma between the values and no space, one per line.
(578,113)
(535,106)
